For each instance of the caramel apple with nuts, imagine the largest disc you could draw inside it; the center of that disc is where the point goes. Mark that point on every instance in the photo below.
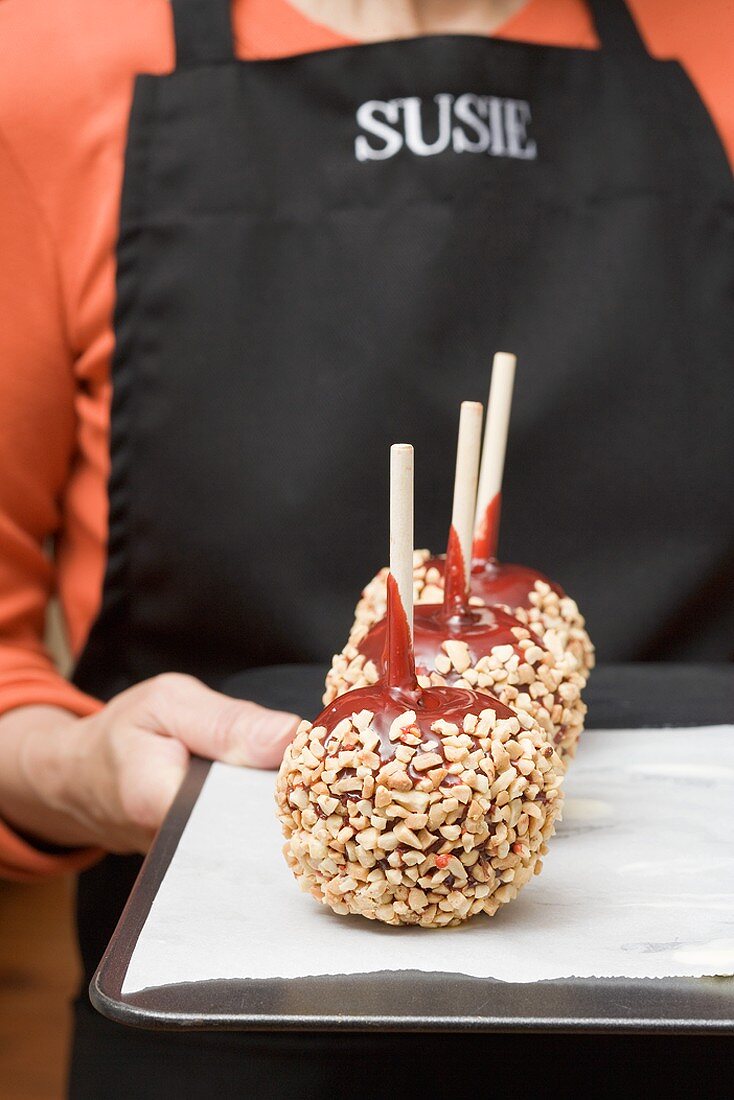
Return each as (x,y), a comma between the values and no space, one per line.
(486,648)
(414,805)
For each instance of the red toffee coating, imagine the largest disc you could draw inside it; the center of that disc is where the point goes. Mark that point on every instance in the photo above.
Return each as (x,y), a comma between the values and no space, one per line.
(481,628)
(500,583)
(397,691)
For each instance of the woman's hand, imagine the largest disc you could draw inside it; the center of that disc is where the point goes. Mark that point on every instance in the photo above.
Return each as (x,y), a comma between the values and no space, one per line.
(108,780)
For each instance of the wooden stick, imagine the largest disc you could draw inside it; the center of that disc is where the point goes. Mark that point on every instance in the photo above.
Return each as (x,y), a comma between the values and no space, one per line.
(401,525)
(486,520)
(465,482)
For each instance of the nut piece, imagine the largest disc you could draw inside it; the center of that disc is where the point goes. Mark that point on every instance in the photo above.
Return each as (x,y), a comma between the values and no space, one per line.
(402,724)
(427,760)
(459,655)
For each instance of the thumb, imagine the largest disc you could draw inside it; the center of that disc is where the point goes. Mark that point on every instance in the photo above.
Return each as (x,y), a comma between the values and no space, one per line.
(217,726)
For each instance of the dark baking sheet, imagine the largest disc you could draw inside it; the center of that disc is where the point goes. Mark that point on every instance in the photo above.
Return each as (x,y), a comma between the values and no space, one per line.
(619,697)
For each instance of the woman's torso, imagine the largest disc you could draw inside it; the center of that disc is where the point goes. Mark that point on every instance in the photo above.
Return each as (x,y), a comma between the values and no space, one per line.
(82,77)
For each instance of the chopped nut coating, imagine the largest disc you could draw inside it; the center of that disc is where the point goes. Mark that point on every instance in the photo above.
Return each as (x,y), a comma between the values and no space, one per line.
(431,845)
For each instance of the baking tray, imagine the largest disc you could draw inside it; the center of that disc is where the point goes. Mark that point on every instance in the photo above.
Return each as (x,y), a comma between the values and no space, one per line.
(622,696)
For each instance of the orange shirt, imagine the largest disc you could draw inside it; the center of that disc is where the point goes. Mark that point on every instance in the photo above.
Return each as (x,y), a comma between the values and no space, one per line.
(66,81)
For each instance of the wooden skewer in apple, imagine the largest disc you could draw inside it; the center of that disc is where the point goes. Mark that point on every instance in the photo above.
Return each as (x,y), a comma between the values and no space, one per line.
(529,594)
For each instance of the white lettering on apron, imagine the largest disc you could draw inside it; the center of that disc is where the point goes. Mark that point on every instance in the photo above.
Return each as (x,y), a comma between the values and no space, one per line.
(468,123)
(471,111)
(517,117)
(366,118)
(413,121)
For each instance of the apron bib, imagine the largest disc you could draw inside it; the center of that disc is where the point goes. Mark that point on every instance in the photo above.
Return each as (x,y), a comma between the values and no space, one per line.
(319,255)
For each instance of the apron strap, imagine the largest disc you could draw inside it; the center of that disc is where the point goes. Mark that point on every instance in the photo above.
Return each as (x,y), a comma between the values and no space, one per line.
(203,31)
(616,27)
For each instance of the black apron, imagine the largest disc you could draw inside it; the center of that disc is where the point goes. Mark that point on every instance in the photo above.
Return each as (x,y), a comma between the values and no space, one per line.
(317,257)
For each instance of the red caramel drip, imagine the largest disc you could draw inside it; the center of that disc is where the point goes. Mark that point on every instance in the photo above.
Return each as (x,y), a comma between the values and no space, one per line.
(485,540)
(397,651)
(482,628)
(500,583)
(455,594)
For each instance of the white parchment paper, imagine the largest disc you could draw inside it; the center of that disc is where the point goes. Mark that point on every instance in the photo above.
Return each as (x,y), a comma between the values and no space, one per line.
(638,882)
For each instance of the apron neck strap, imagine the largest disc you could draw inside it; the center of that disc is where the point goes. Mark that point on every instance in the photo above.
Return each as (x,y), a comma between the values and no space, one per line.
(616,27)
(203,31)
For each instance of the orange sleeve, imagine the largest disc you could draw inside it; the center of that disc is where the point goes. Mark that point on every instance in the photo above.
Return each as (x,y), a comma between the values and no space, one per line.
(21,862)
(37,440)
